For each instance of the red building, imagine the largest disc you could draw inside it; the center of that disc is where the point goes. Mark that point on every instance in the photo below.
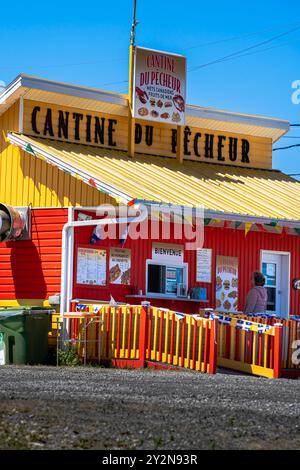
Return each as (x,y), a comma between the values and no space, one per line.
(64,152)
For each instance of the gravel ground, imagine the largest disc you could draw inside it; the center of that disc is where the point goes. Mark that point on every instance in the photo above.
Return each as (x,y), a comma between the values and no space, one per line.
(94,408)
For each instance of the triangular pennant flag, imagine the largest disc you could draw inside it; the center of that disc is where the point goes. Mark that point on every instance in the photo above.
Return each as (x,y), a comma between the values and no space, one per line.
(96,234)
(112,302)
(5,137)
(124,235)
(248,226)
(278,229)
(207,222)
(237,224)
(297,231)
(92,183)
(29,149)
(41,157)
(272,224)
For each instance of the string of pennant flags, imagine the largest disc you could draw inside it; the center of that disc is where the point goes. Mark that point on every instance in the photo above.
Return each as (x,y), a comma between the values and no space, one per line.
(222,319)
(240,324)
(91,182)
(271,227)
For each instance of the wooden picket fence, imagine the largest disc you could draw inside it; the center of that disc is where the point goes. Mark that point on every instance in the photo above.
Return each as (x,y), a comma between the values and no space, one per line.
(257,345)
(133,336)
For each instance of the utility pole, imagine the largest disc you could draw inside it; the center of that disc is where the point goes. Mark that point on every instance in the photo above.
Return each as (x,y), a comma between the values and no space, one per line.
(131,120)
(134,24)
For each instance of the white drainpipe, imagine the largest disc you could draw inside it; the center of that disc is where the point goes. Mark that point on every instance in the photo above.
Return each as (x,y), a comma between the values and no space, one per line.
(68,252)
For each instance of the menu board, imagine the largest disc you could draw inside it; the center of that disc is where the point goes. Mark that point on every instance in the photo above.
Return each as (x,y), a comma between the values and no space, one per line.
(204,260)
(119,266)
(226,284)
(91,267)
(159,86)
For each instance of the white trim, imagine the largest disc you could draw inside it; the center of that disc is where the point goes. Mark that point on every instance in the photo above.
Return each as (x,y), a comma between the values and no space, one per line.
(10,89)
(281,253)
(160,52)
(229,116)
(170,265)
(28,82)
(42,84)
(21,114)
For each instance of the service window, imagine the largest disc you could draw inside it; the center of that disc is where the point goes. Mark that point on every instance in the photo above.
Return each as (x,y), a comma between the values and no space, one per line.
(166,279)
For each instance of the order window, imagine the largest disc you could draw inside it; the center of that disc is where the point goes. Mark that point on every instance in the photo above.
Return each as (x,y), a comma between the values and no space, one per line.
(167,280)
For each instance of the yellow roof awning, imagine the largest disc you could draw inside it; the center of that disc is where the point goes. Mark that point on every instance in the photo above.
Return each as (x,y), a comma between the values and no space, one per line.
(218,188)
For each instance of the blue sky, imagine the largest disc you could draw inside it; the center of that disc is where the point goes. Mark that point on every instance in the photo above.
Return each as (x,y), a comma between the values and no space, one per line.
(87,44)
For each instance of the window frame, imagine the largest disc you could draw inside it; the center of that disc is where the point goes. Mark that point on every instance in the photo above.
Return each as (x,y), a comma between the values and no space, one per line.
(184,266)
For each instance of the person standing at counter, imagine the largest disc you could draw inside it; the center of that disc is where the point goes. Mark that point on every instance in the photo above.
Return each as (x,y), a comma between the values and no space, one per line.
(256,301)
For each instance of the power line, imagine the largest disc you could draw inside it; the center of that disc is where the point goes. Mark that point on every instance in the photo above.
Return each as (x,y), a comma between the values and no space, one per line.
(284,148)
(235,38)
(294,125)
(237,53)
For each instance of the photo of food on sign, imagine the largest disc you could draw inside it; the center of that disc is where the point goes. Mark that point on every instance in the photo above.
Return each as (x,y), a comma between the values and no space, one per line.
(159,84)
(119,266)
(226,284)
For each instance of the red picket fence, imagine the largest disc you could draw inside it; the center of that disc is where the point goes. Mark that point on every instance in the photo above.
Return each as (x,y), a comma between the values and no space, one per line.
(133,336)
(256,345)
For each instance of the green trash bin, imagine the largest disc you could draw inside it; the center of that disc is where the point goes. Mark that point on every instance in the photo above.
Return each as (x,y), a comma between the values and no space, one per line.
(24,335)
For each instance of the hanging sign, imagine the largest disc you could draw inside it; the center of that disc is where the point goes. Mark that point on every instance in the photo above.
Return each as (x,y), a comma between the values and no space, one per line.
(167,253)
(119,266)
(204,260)
(226,284)
(159,88)
(91,267)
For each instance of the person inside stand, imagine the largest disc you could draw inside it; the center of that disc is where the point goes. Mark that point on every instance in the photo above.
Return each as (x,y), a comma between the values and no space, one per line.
(257,297)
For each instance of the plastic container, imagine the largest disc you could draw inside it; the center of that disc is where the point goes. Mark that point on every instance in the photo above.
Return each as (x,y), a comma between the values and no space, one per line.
(24,335)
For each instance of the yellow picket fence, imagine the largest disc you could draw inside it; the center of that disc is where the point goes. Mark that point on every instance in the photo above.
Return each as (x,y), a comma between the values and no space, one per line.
(131,335)
(290,335)
(257,345)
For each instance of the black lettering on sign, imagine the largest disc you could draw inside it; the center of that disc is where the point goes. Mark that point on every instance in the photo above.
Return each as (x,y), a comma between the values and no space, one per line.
(149,135)
(221,138)
(209,146)
(245,151)
(186,140)
(138,133)
(77,117)
(35,110)
(88,128)
(174,140)
(111,130)
(63,124)
(99,130)
(196,144)
(48,127)
(233,141)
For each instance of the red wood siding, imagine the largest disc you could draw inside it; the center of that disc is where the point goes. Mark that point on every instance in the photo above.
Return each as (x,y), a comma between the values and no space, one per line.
(31,269)
(223,242)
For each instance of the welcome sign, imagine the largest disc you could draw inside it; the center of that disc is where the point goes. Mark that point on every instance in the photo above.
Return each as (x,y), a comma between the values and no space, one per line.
(159,90)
